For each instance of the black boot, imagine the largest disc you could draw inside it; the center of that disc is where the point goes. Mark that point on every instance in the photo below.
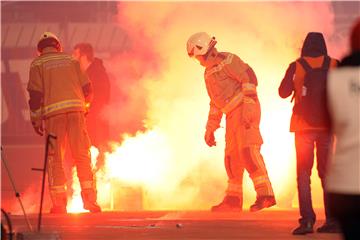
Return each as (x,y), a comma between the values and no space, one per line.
(304,228)
(89,200)
(329,227)
(263,202)
(229,204)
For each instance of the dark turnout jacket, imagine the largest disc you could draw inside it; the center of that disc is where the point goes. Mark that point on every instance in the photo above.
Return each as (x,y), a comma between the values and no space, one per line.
(313,52)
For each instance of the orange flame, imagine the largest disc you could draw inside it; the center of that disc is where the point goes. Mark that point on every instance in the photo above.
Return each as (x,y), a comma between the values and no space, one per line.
(75,204)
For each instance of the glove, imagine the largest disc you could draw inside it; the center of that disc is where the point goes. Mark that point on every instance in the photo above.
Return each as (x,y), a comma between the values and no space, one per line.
(38,127)
(210,138)
(249,112)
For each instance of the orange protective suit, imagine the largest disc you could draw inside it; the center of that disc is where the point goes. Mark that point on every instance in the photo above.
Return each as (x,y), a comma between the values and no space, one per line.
(231,86)
(58,89)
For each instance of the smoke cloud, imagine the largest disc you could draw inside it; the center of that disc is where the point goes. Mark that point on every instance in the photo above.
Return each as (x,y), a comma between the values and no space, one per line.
(167,90)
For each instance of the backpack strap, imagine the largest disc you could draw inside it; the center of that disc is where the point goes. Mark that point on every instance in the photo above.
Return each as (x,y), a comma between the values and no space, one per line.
(326,63)
(305,65)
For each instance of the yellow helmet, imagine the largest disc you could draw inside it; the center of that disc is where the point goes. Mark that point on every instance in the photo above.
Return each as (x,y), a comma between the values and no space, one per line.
(48,39)
(199,44)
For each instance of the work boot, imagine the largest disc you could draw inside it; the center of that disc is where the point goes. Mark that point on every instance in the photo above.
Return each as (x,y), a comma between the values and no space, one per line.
(59,202)
(229,204)
(329,227)
(58,210)
(89,200)
(263,202)
(304,228)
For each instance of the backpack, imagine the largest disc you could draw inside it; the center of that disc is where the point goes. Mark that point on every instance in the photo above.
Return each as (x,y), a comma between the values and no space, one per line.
(312,106)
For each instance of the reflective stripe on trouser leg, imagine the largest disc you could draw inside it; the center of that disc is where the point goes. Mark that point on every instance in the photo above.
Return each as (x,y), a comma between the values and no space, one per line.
(56,125)
(234,189)
(80,147)
(255,165)
(88,185)
(58,195)
(233,163)
(235,171)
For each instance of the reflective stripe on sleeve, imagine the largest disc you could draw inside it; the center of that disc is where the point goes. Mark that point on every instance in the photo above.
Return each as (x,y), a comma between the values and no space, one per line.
(248,87)
(233,103)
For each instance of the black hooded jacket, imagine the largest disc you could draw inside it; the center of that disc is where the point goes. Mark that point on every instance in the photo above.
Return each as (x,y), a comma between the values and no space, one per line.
(313,49)
(101,85)
(97,124)
(314,45)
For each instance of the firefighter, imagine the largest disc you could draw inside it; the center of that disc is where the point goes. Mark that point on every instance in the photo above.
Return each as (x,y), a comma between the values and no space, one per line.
(58,92)
(231,86)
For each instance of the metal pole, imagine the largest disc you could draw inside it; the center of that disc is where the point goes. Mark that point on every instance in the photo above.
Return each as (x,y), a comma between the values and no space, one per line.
(17,194)
(44,175)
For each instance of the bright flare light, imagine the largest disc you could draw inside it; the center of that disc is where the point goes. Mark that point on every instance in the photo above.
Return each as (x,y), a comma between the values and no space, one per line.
(170,160)
(142,159)
(75,204)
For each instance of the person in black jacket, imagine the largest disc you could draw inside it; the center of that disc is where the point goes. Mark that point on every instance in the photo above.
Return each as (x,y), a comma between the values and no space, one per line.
(300,82)
(98,126)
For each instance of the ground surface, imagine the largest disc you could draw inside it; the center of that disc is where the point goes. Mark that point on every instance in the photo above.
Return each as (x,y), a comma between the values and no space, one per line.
(270,224)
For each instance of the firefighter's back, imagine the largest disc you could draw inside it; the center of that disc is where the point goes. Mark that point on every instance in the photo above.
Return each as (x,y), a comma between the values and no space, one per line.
(62,82)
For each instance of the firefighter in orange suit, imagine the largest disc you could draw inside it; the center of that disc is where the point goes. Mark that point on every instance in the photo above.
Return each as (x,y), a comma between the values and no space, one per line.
(231,86)
(58,92)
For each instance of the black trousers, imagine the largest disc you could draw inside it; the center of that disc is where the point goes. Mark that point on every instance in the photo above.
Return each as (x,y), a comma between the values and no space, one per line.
(346,209)
(305,143)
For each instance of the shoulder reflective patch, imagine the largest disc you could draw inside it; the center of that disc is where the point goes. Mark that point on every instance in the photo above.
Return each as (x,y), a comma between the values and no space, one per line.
(41,61)
(220,66)
(56,63)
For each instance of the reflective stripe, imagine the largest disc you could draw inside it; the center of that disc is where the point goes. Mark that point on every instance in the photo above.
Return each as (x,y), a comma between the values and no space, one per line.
(62,105)
(233,103)
(248,100)
(58,189)
(87,185)
(266,184)
(260,180)
(234,188)
(248,87)
(221,65)
(34,115)
(42,60)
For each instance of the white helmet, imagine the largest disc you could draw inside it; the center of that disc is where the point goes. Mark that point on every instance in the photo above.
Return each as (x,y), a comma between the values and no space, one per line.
(199,44)
(48,39)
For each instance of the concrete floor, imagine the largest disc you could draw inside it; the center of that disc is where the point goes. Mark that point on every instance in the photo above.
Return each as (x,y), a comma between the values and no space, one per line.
(269,224)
